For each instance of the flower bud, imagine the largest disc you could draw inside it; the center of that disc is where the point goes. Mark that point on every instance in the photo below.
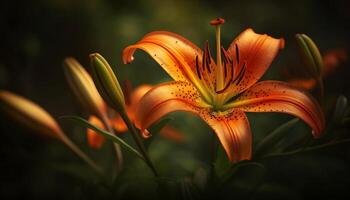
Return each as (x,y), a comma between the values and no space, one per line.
(29,114)
(83,86)
(107,83)
(310,53)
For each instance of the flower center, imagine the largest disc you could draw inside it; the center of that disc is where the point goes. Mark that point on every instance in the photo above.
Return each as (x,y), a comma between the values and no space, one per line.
(227,74)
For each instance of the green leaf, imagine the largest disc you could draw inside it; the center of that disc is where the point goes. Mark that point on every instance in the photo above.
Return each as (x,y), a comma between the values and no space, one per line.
(188,189)
(82,122)
(310,149)
(236,168)
(242,179)
(275,136)
(340,109)
(168,188)
(200,178)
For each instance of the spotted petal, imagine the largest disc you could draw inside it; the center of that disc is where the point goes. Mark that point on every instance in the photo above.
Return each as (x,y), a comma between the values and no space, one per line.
(173,52)
(176,55)
(231,127)
(254,51)
(276,96)
(135,98)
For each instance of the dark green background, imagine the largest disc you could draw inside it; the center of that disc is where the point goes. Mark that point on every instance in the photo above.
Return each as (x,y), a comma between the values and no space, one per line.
(37,35)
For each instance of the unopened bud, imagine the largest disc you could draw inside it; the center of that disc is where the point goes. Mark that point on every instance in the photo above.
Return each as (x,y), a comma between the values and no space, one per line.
(29,114)
(83,86)
(310,53)
(107,83)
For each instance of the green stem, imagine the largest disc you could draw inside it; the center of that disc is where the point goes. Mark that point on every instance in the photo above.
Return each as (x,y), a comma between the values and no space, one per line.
(80,153)
(272,138)
(118,152)
(309,148)
(138,142)
(214,157)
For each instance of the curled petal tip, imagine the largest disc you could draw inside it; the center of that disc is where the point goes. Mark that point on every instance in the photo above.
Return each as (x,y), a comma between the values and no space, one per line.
(131,59)
(146,133)
(217,21)
(282,43)
(128,60)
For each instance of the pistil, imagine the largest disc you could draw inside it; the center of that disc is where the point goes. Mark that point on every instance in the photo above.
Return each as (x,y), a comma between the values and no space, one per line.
(219,72)
(220,78)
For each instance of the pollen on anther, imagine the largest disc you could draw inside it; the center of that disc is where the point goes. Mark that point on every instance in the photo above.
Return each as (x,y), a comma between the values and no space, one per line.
(217,21)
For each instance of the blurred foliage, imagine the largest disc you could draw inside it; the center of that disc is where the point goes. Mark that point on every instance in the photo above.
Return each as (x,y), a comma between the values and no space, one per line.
(38,35)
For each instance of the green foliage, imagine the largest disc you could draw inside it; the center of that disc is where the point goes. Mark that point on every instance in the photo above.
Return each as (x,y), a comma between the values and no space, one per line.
(82,122)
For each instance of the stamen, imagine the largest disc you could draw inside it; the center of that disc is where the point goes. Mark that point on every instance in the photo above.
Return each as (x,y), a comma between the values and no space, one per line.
(225,69)
(203,60)
(226,86)
(237,53)
(219,70)
(197,69)
(235,81)
(239,78)
(224,53)
(233,68)
(227,60)
(208,56)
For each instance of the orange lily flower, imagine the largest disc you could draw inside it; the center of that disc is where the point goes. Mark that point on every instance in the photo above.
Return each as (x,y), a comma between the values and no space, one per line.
(96,140)
(220,93)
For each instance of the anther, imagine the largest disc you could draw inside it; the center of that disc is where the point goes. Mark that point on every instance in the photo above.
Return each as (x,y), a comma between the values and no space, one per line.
(237,53)
(203,60)
(217,21)
(208,51)
(207,57)
(239,77)
(225,68)
(197,68)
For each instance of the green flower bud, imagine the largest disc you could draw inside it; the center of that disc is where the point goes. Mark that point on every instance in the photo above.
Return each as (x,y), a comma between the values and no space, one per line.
(310,53)
(83,87)
(107,83)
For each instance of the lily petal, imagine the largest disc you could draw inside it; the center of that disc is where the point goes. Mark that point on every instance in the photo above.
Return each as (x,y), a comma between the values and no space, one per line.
(95,140)
(119,124)
(135,98)
(176,55)
(232,128)
(256,52)
(276,96)
(170,50)
(163,99)
(233,131)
